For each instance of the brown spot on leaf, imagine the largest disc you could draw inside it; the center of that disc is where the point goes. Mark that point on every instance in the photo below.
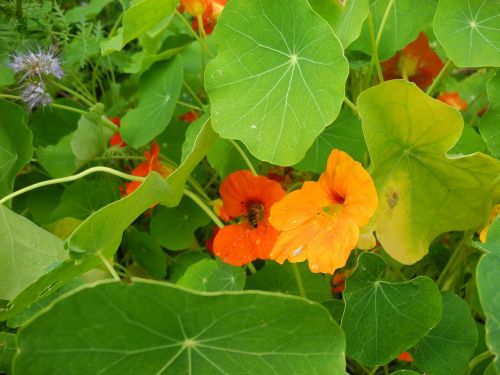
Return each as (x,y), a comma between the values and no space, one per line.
(392,199)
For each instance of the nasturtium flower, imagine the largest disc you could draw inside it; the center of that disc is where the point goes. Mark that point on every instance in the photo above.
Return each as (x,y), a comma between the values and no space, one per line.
(208,10)
(249,199)
(416,62)
(320,222)
(405,357)
(144,168)
(453,99)
(189,117)
(493,215)
(195,7)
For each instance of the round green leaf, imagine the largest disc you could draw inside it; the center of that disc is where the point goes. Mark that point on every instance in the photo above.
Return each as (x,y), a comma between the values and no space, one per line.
(489,293)
(59,159)
(469,31)
(422,192)
(490,123)
(449,345)
(284,71)
(174,227)
(156,328)
(213,276)
(159,90)
(345,17)
(383,319)
(406,18)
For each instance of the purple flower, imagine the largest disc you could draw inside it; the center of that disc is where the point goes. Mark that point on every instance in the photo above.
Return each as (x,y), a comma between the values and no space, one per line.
(34,94)
(38,64)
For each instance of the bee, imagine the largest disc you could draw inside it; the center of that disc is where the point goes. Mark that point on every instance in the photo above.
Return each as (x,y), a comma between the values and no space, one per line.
(255,213)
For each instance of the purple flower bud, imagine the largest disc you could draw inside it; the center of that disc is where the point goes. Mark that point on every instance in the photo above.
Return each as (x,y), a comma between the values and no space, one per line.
(39,64)
(34,94)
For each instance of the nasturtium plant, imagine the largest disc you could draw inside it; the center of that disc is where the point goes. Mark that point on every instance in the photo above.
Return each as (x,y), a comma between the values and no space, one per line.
(249,187)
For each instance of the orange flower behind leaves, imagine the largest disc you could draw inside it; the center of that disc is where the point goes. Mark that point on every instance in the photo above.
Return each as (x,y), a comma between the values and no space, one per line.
(116,140)
(195,7)
(190,116)
(321,221)
(405,357)
(453,99)
(338,282)
(210,16)
(248,198)
(493,215)
(144,168)
(417,61)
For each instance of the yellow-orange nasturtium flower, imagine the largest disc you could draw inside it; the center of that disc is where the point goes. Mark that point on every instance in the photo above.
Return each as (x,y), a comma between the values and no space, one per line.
(320,222)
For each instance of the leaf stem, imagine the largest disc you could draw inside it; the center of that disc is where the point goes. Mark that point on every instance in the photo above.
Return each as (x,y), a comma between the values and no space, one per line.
(190,106)
(244,157)
(109,267)
(443,281)
(374,61)
(70,178)
(437,81)
(298,279)
(74,93)
(195,34)
(381,28)
(374,370)
(251,268)
(192,93)
(204,207)
(350,104)
(69,109)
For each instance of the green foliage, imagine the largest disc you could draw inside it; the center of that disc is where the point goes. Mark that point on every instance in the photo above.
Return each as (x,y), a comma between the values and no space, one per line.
(383,319)
(287,89)
(490,122)
(213,276)
(268,333)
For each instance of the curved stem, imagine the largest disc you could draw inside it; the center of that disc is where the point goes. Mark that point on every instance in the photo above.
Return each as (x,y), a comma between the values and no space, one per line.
(195,34)
(74,93)
(350,104)
(375,61)
(298,279)
(192,93)
(204,207)
(70,178)
(437,81)
(109,267)
(244,157)
(381,28)
(477,360)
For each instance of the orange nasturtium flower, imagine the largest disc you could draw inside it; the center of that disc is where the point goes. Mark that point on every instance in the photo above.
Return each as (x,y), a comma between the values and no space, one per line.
(320,222)
(453,99)
(405,357)
(209,10)
(116,140)
(151,164)
(417,62)
(248,198)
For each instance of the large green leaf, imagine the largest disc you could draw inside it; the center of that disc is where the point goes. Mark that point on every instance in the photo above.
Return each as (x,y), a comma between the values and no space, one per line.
(165,329)
(15,144)
(283,69)
(7,351)
(449,345)
(489,293)
(276,277)
(89,140)
(383,319)
(174,227)
(422,192)
(158,92)
(138,19)
(345,134)
(468,31)
(26,252)
(59,159)
(490,123)
(406,18)
(345,17)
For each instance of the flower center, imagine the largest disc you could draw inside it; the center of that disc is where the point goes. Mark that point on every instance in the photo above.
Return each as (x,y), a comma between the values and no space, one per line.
(255,214)
(408,66)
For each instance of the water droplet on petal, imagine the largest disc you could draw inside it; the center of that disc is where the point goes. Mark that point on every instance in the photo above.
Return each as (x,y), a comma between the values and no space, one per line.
(297,251)
(314,267)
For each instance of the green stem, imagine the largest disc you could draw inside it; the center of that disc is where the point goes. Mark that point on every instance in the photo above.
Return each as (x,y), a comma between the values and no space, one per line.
(195,34)
(204,207)
(192,93)
(196,185)
(374,370)
(477,360)
(74,93)
(19,10)
(68,108)
(381,28)
(70,178)
(437,81)
(109,124)
(244,157)
(452,264)
(374,61)
(109,267)
(8,96)
(190,106)
(298,279)
(251,268)
(350,104)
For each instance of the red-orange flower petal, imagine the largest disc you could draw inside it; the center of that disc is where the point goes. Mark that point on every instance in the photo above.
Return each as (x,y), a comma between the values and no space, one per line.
(406,357)
(417,61)
(116,140)
(238,244)
(320,222)
(240,189)
(453,99)
(195,7)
